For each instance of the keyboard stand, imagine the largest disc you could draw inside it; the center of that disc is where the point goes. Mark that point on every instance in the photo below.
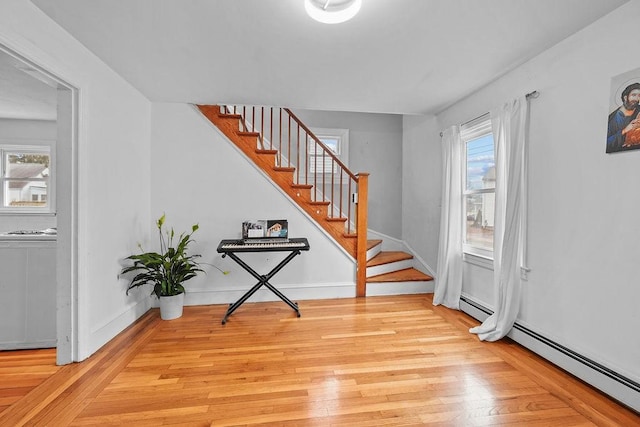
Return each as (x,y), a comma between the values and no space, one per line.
(263,280)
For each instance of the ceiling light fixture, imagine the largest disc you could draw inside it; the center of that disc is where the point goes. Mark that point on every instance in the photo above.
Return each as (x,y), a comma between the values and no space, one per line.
(332,11)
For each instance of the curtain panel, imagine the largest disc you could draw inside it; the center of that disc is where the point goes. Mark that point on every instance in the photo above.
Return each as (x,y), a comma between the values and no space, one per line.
(509,124)
(448,283)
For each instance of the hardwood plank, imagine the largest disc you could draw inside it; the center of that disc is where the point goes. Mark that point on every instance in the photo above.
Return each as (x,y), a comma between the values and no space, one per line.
(376,361)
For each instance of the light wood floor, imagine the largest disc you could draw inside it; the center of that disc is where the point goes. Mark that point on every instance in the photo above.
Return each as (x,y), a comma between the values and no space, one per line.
(377,361)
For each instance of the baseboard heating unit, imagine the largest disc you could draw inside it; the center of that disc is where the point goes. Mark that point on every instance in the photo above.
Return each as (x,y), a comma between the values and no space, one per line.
(619,387)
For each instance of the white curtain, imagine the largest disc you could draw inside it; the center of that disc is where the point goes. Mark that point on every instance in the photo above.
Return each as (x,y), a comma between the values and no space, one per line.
(448,284)
(509,125)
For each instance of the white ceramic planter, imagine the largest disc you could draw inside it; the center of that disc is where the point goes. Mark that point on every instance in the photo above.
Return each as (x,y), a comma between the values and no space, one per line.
(171,307)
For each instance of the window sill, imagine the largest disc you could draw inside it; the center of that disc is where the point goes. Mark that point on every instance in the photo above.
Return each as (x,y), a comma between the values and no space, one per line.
(478,260)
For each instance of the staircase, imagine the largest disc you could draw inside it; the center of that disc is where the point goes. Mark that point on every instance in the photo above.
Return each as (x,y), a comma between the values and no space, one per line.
(392,272)
(279,144)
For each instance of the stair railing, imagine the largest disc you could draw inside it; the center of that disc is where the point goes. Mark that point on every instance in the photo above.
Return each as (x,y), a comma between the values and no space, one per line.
(316,166)
(298,147)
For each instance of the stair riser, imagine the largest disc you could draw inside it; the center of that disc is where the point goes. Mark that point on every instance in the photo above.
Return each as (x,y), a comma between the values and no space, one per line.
(399,288)
(284,176)
(338,226)
(248,142)
(228,126)
(389,267)
(268,160)
(321,211)
(303,194)
(374,251)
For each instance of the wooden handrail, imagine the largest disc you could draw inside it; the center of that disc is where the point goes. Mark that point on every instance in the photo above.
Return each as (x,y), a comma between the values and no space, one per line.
(294,150)
(326,149)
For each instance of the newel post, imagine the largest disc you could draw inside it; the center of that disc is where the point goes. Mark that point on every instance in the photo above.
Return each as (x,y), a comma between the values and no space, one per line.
(361,231)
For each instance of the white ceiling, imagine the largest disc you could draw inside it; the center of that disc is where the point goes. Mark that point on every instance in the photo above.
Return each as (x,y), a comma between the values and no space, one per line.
(395,56)
(25,93)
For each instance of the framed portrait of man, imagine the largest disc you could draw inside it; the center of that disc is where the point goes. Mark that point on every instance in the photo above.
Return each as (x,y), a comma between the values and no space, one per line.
(623,129)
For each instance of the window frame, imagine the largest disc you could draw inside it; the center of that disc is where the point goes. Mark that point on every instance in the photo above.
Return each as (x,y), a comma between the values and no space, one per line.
(29,147)
(342,135)
(469,132)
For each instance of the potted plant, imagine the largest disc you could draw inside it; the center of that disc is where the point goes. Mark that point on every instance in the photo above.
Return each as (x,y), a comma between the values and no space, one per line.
(166,270)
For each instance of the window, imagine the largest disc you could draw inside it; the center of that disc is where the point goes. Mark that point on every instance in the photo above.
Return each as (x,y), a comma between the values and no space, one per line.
(479,187)
(25,178)
(337,140)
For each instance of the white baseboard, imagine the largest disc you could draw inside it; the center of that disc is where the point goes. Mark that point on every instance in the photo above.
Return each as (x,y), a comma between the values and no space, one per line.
(293,292)
(106,332)
(430,271)
(619,387)
(25,345)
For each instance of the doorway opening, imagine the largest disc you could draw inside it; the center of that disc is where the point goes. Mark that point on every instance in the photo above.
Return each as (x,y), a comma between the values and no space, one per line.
(33,96)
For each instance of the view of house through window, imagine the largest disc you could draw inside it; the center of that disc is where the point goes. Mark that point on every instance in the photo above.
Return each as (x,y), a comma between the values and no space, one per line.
(479,186)
(25,178)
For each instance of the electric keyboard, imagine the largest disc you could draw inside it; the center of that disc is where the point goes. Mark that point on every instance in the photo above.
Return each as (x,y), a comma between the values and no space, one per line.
(235,245)
(230,247)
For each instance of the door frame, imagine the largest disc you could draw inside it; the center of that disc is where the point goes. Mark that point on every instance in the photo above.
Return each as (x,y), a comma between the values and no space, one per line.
(66,184)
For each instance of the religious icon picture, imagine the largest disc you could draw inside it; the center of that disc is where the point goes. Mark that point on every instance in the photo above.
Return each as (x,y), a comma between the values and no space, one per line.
(623,130)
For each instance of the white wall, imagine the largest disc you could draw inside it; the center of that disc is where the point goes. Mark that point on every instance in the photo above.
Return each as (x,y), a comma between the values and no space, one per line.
(375,146)
(421,188)
(584,235)
(112,172)
(198,176)
(19,130)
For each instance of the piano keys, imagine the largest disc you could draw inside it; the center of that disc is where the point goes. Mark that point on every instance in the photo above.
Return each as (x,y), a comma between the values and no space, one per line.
(235,245)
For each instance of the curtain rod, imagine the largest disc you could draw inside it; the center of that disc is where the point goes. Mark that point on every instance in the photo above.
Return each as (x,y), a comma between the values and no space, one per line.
(530,95)
(533,94)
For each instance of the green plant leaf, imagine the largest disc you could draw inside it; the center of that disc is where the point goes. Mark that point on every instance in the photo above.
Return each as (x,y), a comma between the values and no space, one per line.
(167,270)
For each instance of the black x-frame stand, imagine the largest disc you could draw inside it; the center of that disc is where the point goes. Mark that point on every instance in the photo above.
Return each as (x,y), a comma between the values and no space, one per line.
(230,247)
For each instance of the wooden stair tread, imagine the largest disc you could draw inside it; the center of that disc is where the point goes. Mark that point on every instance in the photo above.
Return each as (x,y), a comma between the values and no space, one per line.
(373,243)
(386,257)
(230,116)
(406,275)
(336,219)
